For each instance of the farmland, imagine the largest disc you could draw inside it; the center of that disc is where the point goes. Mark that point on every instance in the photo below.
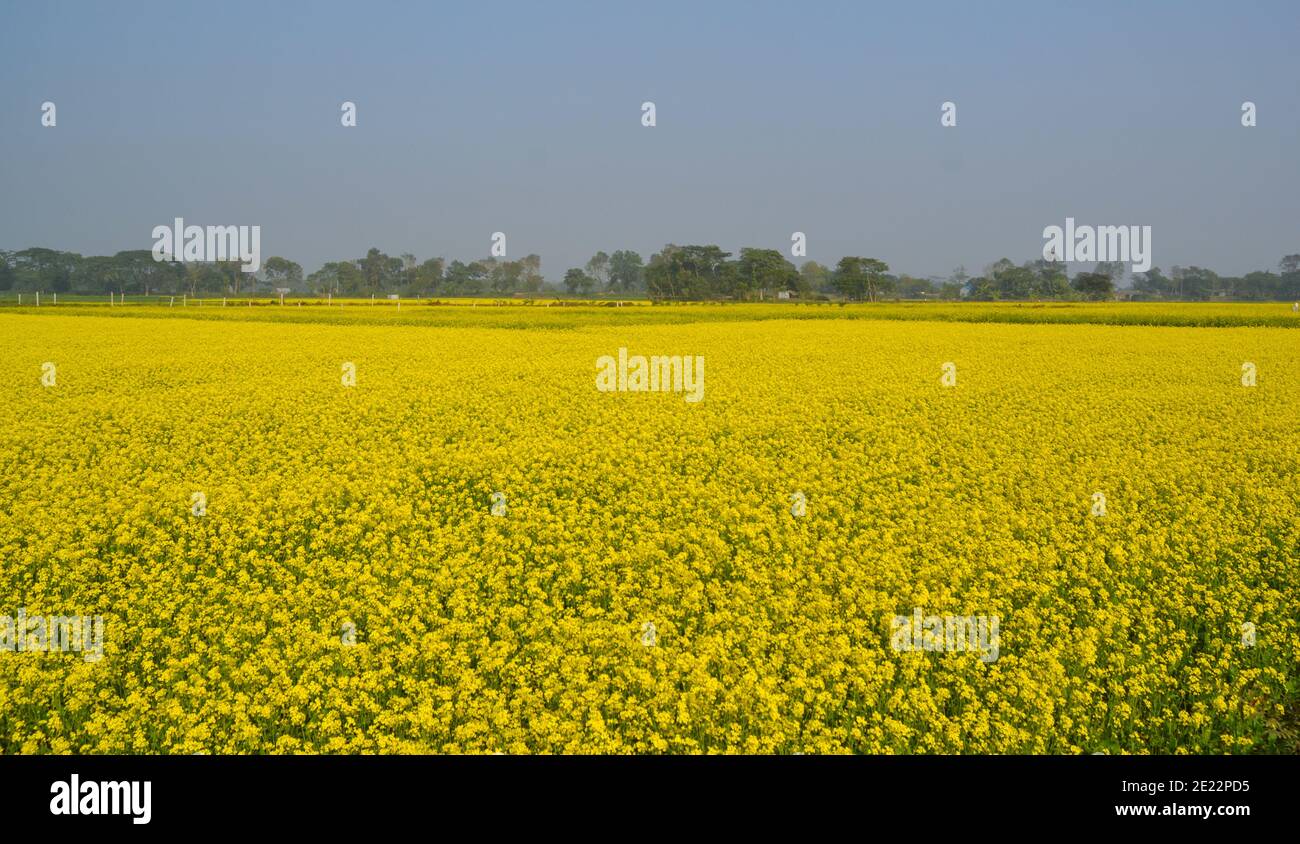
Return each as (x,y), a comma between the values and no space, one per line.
(470,548)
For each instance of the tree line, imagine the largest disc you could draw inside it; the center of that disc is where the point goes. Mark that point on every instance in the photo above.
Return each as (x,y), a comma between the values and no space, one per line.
(675,272)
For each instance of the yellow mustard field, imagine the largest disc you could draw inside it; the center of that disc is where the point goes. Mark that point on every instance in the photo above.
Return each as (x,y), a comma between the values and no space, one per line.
(472,548)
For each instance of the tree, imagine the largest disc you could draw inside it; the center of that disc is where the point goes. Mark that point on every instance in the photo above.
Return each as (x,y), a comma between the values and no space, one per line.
(598,269)
(428,276)
(858,277)
(1289,282)
(951,290)
(410,275)
(136,271)
(684,272)
(205,276)
(1114,270)
(578,282)
(814,277)
(1051,281)
(1014,282)
(998,266)
(762,269)
(457,276)
(506,276)
(626,272)
(982,289)
(6,272)
(381,272)
(1260,285)
(44,269)
(466,279)
(1038,279)
(1094,285)
(532,280)
(1153,282)
(910,287)
(234,272)
(1195,282)
(337,277)
(281,272)
(689,272)
(659,273)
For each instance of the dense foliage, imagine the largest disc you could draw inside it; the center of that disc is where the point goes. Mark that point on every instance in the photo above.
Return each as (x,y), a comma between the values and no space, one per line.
(675,272)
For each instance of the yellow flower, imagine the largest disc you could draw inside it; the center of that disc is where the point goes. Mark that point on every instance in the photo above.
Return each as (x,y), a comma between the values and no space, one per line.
(350,589)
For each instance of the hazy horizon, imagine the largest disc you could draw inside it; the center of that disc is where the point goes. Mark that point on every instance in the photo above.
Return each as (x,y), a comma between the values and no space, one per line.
(771,119)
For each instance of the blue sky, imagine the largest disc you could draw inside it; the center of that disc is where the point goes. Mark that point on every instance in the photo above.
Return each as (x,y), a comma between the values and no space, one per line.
(772,118)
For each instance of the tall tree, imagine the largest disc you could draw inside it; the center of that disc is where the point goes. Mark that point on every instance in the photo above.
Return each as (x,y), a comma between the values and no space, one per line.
(338,278)
(44,269)
(466,279)
(598,269)
(911,287)
(1114,270)
(506,276)
(814,277)
(1153,282)
(578,282)
(626,272)
(6,272)
(1094,285)
(692,272)
(380,271)
(1050,280)
(857,277)
(428,276)
(532,280)
(1195,282)
(280,272)
(763,269)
